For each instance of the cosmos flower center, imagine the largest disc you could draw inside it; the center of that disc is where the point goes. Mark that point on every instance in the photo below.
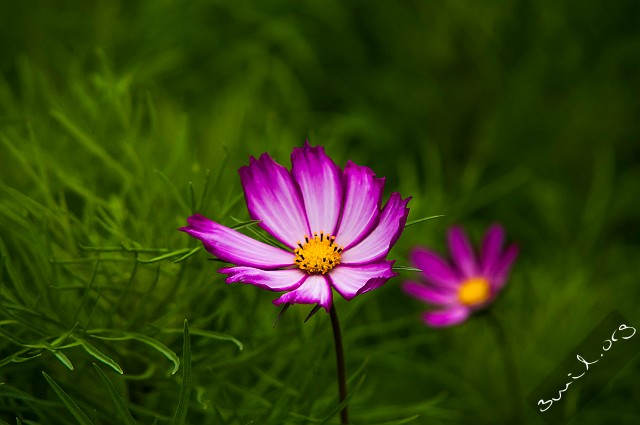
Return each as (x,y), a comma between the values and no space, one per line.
(318,254)
(474,291)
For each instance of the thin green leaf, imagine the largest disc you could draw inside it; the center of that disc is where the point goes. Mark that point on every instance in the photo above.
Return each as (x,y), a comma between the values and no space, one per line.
(420,220)
(16,357)
(146,296)
(63,359)
(205,187)
(405,268)
(339,407)
(71,405)
(90,144)
(188,254)
(122,248)
(93,351)
(145,375)
(62,338)
(152,342)
(176,192)
(192,198)
(224,162)
(9,392)
(8,337)
(231,204)
(209,334)
(244,224)
(167,255)
(359,371)
(87,260)
(100,248)
(305,418)
(185,388)
(118,402)
(259,235)
(20,156)
(400,421)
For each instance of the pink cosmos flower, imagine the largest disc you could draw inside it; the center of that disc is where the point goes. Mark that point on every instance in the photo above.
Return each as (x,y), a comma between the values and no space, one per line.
(464,285)
(329,219)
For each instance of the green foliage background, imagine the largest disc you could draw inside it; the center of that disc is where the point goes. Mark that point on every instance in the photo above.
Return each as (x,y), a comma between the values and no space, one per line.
(119,119)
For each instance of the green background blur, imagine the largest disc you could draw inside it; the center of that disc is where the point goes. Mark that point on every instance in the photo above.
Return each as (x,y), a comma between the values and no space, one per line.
(119,119)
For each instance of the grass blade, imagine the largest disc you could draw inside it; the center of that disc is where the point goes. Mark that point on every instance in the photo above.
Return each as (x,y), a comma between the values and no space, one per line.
(91,145)
(188,254)
(406,269)
(420,220)
(92,350)
(182,252)
(209,334)
(244,224)
(63,359)
(340,406)
(75,410)
(185,388)
(118,403)
(401,421)
(152,342)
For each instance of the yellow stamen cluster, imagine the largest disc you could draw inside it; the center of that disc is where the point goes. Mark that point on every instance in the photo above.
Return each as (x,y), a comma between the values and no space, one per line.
(318,255)
(474,291)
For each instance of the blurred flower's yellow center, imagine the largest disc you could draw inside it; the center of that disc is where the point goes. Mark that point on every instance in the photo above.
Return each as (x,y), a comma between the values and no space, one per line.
(318,255)
(474,291)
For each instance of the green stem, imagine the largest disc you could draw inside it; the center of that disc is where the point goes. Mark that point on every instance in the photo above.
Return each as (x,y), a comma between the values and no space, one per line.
(511,371)
(342,376)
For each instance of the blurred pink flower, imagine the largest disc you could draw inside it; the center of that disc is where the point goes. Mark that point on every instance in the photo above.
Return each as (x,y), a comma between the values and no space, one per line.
(465,284)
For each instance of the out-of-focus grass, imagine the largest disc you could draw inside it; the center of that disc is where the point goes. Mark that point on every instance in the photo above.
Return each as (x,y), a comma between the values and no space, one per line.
(119,120)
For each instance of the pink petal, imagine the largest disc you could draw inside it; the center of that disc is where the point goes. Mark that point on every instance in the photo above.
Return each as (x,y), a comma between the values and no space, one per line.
(491,247)
(319,179)
(377,244)
(274,280)
(350,281)
(362,200)
(434,268)
(232,246)
(273,197)
(314,290)
(500,271)
(462,252)
(430,294)
(449,317)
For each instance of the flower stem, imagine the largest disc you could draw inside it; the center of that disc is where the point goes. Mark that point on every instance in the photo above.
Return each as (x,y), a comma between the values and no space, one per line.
(342,376)
(511,371)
